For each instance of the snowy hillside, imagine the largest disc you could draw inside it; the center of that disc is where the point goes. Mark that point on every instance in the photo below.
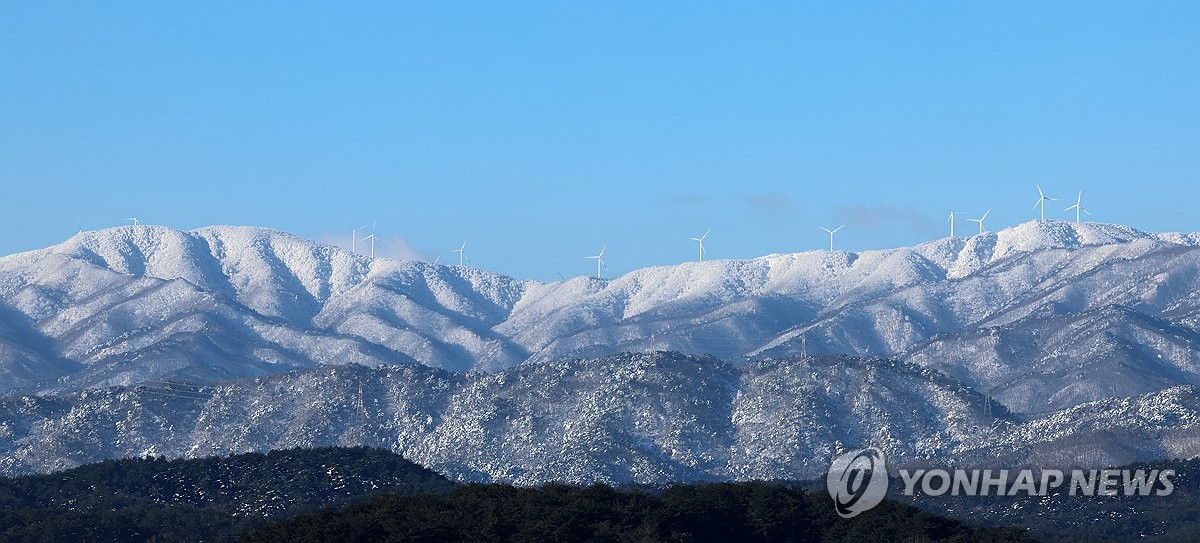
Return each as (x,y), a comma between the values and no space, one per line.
(130,304)
(629,418)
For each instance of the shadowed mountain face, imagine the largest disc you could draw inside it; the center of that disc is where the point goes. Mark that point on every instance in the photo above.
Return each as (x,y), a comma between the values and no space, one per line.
(130,304)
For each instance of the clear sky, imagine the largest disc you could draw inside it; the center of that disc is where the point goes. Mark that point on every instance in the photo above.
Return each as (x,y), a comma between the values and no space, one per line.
(544,131)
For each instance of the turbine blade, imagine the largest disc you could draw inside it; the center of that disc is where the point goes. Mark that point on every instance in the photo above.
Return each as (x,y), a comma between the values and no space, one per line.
(985,214)
(1085,211)
(1035,204)
(839,228)
(1040,193)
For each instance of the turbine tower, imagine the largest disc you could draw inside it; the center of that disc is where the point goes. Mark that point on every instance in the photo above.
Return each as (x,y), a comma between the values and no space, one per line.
(1042,201)
(354,238)
(951,221)
(599,261)
(372,238)
(980,220)
(462,253)
(134,219)
(700,240)
(1078,207)
(831,233)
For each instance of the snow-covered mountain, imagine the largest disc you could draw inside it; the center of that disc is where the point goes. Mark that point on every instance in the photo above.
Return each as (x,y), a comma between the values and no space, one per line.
(135,303)
(124,305)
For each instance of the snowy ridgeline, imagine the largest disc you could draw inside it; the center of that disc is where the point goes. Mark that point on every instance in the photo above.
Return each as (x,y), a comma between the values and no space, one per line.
(647,418)
(1043,316)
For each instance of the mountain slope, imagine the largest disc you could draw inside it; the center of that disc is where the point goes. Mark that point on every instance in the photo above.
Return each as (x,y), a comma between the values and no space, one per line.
(628,418)
(1049,364)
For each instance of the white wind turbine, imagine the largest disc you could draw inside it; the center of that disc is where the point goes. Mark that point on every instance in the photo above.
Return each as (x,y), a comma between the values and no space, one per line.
(1078,207)
(354,238)
(951,221)
(462,253)
(831,233)
(1042,201)
(980,220)
(700,240)
(134,219)
(599,260)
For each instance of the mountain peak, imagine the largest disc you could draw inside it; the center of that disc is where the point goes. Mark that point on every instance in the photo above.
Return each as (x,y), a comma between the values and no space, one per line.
(1039,234)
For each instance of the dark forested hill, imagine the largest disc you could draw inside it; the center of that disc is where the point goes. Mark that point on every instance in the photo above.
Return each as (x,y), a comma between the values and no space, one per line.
(362,494)
(207,499)
(695,513)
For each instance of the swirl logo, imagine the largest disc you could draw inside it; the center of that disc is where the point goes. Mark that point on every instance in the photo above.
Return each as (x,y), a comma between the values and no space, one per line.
(857,481)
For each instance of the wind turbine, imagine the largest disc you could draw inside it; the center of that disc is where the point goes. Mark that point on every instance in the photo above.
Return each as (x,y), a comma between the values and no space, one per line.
(462,253)
(700,240)
(134,219)
(1042,201)
(831,233)
(1078,207)
(599,260)
(951,221)
(980,220)
(354,238)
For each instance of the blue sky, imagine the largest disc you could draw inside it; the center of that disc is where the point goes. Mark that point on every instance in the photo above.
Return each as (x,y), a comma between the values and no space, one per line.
(544,131)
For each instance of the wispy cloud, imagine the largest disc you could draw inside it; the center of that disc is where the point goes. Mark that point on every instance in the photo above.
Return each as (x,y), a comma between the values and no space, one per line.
(884,217)
(772,205)
(385,246)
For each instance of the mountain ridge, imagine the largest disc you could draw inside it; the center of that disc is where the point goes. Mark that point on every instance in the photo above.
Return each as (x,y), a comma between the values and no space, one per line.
(127,304)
